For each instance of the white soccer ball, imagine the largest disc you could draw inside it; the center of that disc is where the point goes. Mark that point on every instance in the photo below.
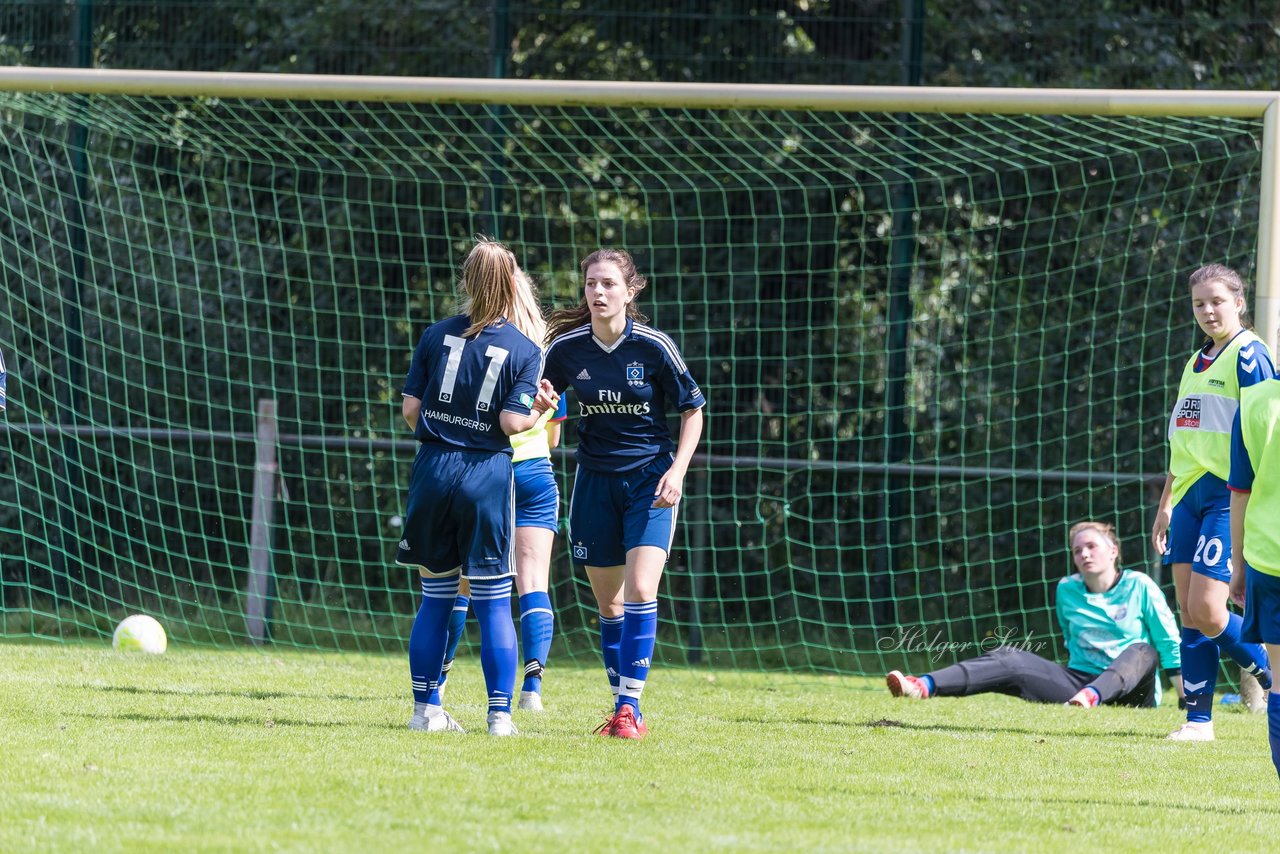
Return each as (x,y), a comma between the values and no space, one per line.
(140,633)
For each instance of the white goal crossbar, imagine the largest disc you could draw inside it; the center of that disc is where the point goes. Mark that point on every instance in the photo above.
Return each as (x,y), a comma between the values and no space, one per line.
(721,96)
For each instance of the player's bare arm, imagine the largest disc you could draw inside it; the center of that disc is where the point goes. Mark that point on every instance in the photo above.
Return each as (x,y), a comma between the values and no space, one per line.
(514,422)
(411,409)
(671,486)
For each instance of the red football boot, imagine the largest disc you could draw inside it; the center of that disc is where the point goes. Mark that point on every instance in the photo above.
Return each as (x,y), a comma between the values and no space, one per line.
(902,685)
(624,724)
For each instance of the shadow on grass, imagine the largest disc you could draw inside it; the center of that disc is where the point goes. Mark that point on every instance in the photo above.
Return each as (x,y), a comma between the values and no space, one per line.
(945,727)
(1098,801)
(211,692)
(1102,801)
(889,722)
(271,722)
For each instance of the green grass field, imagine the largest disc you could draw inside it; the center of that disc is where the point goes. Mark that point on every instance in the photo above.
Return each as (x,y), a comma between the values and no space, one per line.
(247,750)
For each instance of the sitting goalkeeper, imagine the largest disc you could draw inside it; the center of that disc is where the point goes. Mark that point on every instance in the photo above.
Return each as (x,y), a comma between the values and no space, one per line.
(1119,632)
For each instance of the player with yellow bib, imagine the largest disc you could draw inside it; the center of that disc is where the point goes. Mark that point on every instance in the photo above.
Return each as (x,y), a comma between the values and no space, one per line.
(1192,527)
(1255,506)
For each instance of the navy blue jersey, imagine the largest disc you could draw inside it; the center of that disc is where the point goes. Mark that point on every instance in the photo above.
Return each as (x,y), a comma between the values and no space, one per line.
(464,384)
(624,393)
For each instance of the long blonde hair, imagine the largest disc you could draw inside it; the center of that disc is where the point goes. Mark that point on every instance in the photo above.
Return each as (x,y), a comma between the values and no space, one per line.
(526,314)
(565,319)
(488,284)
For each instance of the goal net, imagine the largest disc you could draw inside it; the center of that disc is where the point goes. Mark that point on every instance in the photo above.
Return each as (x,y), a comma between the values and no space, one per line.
(929,341)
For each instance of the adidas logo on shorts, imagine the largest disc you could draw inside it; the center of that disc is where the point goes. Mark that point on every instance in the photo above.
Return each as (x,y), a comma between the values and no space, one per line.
(583,375)
(404,544)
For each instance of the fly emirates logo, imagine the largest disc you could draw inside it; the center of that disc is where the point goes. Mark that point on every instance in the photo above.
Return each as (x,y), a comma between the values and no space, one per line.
(611,404)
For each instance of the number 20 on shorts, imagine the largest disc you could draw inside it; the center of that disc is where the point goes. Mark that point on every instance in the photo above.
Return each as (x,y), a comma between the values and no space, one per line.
(1208,552)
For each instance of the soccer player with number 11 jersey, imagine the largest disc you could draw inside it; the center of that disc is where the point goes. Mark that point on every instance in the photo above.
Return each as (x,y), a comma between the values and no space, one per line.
(472,383)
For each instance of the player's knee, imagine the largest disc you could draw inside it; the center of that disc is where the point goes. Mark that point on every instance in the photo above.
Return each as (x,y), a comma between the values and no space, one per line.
(426,573)
(1144,652)
(1207,616)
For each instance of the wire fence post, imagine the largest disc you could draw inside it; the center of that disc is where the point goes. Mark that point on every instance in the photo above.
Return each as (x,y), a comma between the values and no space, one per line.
(257,608)
(698,558)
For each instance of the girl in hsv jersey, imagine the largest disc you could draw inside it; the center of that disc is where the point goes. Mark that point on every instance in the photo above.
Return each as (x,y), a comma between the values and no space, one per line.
(1192,525)
(472,383)
(537,519)
(626,377)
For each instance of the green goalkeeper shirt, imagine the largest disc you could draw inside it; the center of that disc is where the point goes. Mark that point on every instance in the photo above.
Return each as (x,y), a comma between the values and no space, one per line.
(1099,626)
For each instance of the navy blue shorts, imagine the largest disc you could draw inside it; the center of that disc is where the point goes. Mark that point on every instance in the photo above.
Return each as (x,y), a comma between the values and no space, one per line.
(1261,607)
(1200,529)
(460,512)
(610,514)
(537,496)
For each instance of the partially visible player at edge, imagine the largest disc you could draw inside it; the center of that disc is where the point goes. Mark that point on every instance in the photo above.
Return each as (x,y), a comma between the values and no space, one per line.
(1255,507)
(1192,525)
(537,520)
(472,383)
(622,513)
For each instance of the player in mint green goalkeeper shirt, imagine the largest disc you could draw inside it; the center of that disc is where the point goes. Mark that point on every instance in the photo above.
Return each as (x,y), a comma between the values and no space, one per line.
(1117,626)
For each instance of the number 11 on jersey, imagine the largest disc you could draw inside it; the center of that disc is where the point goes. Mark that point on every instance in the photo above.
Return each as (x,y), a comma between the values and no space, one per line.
(497,358)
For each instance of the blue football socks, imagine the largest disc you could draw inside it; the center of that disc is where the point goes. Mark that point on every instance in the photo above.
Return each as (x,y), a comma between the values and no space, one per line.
(635,652)
(428,637)
(1251,656)
(491,598)
(610,639)
(1199,674)
(1273,728)
(457,623)
(537,625)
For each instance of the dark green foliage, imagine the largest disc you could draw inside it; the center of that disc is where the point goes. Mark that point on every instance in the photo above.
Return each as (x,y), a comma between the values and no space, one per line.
(241,250)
